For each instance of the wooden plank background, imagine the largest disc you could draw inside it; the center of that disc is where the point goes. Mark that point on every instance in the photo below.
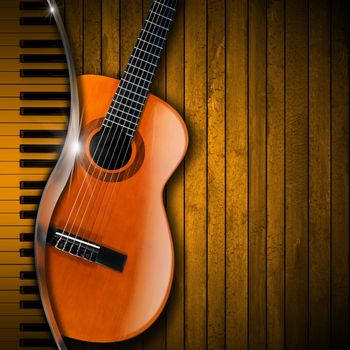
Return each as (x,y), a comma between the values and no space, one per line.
(259,208)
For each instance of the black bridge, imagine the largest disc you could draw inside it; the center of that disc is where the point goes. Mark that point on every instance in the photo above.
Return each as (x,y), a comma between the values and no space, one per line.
(85,249)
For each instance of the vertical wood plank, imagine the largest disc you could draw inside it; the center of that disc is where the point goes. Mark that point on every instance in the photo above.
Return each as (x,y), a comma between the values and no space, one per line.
(257,174)
(154,337)
(130,26)
(110,38)
(216,175)
(92,37)
(196,175)
(176,187)
(319,175)
(275,174)
(296,174)
(74,24)
(236,175)
(340,174)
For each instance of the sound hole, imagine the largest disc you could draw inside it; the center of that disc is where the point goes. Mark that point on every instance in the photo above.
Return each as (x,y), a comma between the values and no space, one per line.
(110,150)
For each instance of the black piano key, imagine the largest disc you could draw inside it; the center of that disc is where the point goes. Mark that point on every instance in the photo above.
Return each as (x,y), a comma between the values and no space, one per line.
(28,214)
(40,148)
(33,5)
(44,73)
(29,199)
(45,96)
(42,134)
(30,304)
(26,237)
(36,343)
(43,59)
(28,290)
(41,44)
(37,163)
(37,21)
(34,327)
(46,111)
(26,252)
(32,185)
(27,275)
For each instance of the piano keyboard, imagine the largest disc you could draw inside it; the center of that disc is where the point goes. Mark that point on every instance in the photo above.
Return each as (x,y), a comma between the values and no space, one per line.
(34,105)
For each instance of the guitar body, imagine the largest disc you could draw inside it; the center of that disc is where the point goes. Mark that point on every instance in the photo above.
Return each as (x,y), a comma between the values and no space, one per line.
(92,302)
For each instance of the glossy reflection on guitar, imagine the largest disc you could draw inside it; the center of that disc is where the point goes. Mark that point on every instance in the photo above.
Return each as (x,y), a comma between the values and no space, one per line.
(110,256)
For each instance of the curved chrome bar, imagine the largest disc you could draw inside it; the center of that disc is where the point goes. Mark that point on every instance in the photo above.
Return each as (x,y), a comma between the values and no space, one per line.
(56,183)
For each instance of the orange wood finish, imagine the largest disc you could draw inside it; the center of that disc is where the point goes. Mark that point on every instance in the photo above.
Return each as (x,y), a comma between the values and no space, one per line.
(92,302)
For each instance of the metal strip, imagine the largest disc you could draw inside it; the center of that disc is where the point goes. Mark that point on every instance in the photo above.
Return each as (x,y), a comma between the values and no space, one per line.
(56,184)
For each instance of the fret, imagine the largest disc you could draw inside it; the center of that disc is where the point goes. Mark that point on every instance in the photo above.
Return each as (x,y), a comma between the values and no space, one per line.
(127,98)
(158,14)
(146,71)
(159,3)
(149,43)
(124,105)
(158,25)
(118,124)
(139,86)
(123,117)
(138,77)
(158,36)
(131,134)
(132,92)
(147,52)
(120,118)
(143,74)
(144,60)
(127,113)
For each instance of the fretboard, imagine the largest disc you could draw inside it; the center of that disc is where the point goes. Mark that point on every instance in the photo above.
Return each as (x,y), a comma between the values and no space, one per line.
(129,100)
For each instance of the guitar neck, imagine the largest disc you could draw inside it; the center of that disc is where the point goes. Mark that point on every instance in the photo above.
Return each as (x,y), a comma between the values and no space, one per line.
(130,97)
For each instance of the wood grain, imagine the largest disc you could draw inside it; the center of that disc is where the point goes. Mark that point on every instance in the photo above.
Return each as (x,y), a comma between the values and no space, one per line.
(297,189)
(216,175)
(275,174)
(236,175)
(196,176)
(92,37)
(319,175)
(257,175)
(340,175)
(110,38)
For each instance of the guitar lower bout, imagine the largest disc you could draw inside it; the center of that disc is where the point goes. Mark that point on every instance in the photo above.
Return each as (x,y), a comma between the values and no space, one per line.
(110,257)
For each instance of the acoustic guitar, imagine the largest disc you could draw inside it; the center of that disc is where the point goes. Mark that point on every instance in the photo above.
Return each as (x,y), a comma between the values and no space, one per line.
(109,255)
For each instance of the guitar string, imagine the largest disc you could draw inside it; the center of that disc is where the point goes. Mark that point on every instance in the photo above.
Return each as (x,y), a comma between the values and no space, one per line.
(133,71)
(169,15)
(163,23)
(82,185)
(90,180)
(88,170)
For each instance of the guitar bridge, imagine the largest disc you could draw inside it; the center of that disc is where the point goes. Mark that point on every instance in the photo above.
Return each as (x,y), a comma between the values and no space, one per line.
(86,250)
